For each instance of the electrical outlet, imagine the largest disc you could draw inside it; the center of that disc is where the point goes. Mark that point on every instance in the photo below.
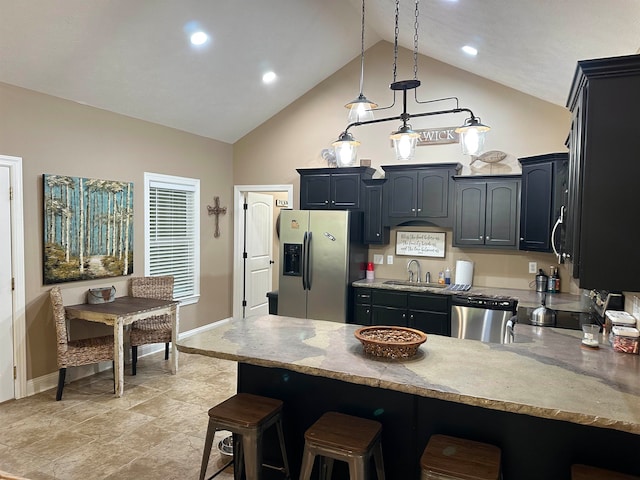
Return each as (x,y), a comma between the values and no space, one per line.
(389,259)
(533,267)
(378,259)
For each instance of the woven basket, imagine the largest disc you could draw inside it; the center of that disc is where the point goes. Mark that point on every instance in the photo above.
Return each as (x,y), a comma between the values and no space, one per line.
(390,342)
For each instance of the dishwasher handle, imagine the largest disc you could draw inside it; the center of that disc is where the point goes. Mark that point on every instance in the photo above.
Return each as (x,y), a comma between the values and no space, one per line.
(509,334)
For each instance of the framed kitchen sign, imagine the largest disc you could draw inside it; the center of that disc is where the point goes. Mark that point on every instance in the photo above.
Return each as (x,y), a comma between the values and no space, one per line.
(420,244)
(88,228)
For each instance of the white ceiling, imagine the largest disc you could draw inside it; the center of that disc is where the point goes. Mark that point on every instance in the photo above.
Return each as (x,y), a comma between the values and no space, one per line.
(133,57)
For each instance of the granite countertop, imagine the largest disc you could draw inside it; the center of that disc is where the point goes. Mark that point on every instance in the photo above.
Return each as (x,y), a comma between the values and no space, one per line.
(545,373)
(566,302)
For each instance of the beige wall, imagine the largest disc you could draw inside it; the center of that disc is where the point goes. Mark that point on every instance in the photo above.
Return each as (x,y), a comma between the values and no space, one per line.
(61,137)
(521,126)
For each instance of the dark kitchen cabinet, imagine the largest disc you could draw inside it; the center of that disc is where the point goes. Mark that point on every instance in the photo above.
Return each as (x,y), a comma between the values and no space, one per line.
(601,246)
(430,313)
(543,199)
(375,232)
(332,188)
(486,213)
(362,310)
(420,192)
(389,307)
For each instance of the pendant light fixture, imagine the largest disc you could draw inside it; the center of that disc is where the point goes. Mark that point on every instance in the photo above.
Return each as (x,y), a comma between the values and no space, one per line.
(405,139)
(361,109)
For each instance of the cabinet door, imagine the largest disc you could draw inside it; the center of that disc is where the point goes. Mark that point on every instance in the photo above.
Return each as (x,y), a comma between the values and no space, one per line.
(374,232)
(436,323)
(315,191)
(535,214)
(362,314)
(402,199)
(396,317)
(502,213)
(433,194)
(571,247)
(470,213)
(345,191)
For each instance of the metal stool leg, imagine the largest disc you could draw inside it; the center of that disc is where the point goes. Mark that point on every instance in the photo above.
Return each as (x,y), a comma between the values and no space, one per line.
(211,431)
(283,449)
(308,457)
(358,468)
(377,458)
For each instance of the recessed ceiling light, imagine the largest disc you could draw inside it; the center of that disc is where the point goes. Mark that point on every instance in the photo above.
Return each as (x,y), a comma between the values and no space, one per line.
(469,50)
(268,77)
(198,38)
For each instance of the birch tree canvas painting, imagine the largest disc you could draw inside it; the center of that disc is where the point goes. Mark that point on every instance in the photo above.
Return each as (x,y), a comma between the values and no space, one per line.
(88,228)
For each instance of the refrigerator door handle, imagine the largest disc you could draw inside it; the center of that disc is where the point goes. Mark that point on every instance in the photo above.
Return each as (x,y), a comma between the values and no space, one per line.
(307,269)
(304,261)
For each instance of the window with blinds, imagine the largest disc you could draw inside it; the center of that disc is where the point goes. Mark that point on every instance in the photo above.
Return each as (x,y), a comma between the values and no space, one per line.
(172,232)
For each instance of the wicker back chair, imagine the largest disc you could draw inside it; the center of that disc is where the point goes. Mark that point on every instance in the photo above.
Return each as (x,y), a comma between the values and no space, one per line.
(155,329)
(74,353)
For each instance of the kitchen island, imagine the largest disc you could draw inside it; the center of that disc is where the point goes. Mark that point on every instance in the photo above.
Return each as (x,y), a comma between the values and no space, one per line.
(544,400)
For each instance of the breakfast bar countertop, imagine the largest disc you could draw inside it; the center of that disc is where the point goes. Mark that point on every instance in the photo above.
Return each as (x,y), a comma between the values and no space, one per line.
(545,373)
(566,302)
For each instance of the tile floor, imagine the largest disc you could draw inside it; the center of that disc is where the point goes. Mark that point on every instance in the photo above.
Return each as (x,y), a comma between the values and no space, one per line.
(156,430)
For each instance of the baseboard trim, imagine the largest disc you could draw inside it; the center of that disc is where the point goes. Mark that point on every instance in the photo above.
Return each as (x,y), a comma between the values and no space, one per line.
(50,380)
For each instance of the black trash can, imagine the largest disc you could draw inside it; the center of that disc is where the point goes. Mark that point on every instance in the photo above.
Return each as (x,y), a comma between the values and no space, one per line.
(273,302)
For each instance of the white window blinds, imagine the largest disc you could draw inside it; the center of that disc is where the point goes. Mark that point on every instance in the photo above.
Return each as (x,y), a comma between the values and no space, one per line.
(172,241)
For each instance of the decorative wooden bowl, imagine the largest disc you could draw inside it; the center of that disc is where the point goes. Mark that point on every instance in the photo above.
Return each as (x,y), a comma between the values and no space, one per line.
(390,342)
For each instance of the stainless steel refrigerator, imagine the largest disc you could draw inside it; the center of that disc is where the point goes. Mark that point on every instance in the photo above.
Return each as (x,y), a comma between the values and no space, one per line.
(321,254)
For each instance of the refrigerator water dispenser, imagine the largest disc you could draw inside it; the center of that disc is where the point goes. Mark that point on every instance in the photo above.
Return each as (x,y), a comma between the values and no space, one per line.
(292,263)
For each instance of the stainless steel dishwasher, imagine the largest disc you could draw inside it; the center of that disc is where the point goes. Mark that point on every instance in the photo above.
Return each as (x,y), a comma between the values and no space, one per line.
(481,318)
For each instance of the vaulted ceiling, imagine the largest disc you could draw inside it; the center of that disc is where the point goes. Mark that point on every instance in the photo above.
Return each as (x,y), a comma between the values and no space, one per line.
(134,57)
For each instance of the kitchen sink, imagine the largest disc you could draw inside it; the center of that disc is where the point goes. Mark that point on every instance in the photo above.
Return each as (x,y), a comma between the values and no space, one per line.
(407,283)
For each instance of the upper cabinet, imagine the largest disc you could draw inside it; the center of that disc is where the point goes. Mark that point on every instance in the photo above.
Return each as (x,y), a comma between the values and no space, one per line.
(332,188)
(603,205)
(420,192)
(543,200)
(486,211)
(375,232)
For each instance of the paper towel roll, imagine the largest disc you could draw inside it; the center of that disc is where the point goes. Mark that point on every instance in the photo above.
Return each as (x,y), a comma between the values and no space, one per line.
(464,272)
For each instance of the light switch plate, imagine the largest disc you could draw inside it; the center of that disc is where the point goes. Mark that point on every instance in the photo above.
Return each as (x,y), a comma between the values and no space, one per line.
(533,267)
(389,259)
(378,259)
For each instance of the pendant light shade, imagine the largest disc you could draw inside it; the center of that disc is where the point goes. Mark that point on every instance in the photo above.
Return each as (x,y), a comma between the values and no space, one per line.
(472,135)
(346,148)
(404,142)
(360,110)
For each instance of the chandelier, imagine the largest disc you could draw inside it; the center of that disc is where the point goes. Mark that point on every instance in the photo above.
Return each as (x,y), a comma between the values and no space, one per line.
(405,139)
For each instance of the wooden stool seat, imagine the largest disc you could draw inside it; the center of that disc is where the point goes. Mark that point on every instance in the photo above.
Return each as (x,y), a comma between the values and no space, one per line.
(247,416)
(336,436)
(585,472)
(458,458)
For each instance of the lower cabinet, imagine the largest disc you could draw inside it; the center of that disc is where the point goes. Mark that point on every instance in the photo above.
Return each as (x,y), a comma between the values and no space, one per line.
(430,313)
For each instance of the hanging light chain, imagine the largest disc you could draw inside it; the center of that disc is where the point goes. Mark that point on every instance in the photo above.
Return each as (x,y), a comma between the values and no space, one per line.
(362,52)
(415,43)
(395,42)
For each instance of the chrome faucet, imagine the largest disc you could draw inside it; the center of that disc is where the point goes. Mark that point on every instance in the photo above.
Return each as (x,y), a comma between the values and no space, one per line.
(411,262)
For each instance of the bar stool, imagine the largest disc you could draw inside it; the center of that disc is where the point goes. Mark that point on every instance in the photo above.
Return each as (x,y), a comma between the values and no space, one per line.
(585,472)
(248,416)
(336,436)
(456,458)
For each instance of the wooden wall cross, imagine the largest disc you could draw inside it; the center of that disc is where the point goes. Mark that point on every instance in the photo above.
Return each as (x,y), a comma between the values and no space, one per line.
(216,210)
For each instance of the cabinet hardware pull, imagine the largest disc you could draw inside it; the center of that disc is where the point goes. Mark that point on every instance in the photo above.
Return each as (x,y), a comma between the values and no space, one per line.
(413,209)
(419,209)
